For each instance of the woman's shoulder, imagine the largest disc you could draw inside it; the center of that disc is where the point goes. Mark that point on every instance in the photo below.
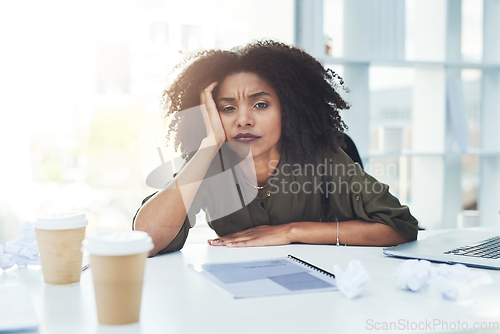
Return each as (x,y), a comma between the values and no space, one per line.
(332,155)
(337,162)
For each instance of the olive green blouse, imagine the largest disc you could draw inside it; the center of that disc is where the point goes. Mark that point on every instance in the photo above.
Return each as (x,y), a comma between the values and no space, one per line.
(333,188)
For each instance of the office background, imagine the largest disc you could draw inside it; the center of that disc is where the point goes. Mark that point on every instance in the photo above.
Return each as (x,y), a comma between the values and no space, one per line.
(81,80)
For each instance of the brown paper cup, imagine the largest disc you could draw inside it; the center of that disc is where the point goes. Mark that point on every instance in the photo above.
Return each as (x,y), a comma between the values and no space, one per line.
(118,287)
(61,255)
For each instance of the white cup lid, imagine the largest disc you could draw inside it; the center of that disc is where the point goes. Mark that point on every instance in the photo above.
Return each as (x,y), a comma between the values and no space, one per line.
(117,243)
(61,221)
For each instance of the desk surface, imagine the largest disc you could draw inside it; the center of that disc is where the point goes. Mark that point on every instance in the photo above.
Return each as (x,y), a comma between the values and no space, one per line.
(178,300)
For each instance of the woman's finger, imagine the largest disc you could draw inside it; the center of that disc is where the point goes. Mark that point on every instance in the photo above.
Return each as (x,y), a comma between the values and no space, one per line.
(210,114)
(240,244)
(223,241)
(249,243)
(206,98)
(207,92)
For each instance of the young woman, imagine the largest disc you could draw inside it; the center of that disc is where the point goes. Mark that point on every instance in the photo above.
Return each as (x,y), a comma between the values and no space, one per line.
(282,105)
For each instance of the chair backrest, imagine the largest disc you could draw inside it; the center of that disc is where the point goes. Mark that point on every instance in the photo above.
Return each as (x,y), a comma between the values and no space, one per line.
(353,153)
(351,150)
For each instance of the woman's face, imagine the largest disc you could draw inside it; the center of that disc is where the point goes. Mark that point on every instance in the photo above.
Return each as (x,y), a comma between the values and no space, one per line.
(250,112)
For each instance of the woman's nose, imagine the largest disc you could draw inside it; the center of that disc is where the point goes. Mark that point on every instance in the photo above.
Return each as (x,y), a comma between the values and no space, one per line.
(244,117)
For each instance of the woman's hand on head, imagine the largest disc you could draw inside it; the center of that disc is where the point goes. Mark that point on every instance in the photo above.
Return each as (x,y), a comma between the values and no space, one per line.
(211,118)
(264,235)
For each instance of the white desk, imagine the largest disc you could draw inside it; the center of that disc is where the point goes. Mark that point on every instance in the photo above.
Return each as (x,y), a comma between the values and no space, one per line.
(178,300)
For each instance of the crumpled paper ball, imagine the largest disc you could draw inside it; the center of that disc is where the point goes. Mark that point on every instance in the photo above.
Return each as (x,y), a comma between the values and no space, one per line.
(6,260)
(353,281)
(23,250)
(413,275)
(451,281)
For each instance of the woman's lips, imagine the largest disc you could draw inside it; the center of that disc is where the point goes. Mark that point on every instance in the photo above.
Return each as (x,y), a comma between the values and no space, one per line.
(245,137)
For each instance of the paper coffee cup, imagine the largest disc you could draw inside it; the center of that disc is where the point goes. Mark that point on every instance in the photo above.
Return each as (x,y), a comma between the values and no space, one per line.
(60,239)
(117,260)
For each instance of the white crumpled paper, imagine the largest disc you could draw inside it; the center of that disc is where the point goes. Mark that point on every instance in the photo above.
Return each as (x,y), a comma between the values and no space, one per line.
(6,260)
(22,251)
(452,281)
(413,275)
(353,281)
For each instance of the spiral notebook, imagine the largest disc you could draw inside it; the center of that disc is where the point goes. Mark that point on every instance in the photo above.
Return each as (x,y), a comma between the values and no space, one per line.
(267,277)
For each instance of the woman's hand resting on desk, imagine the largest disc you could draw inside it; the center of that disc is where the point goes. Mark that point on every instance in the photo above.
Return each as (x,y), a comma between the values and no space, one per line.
(264,235)
(354,232)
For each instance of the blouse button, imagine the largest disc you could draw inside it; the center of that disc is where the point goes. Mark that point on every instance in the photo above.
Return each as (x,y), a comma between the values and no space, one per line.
(357,198)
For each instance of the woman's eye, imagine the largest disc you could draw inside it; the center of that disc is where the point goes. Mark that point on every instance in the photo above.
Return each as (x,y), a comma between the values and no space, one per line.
(261,105)
(227,109)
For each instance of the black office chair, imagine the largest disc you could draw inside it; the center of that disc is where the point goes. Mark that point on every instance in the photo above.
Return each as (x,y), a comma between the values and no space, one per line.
(351,150)
(353,153)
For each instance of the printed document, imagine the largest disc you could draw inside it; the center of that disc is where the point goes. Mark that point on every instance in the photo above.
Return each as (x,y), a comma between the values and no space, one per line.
(264,277)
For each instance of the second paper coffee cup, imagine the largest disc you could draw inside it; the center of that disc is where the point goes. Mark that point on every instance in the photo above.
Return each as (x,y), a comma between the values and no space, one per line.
(117,260)
(60,239)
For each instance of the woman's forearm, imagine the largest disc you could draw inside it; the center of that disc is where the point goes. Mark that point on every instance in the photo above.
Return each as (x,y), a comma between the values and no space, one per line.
(354,232)
(163,214)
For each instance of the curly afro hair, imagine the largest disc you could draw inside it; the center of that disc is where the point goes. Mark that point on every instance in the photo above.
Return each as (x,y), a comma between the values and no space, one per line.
(309,101)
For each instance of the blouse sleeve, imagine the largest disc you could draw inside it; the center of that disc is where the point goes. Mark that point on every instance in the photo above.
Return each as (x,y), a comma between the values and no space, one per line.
(360,196)
(180,238)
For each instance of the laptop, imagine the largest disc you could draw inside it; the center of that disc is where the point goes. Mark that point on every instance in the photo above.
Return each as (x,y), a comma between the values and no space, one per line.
(471,248)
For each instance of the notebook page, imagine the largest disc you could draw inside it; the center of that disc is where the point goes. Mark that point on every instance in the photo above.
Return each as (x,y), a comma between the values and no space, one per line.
(264,277)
